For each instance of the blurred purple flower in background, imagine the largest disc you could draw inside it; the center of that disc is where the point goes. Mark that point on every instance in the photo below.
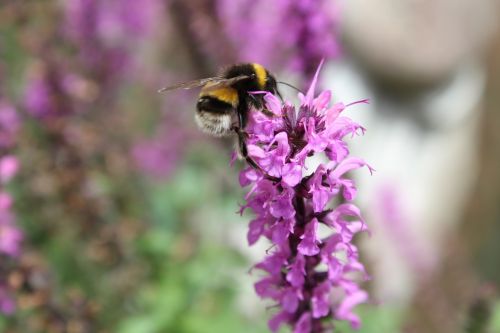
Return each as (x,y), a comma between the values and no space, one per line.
(158,156)
(53,90)
(397,223)
(38,97)
(289,33)
(106,32)
(311,272)
(7,303)
(9,125)
(10,235)
(103,35)
(8,168)
(45,96)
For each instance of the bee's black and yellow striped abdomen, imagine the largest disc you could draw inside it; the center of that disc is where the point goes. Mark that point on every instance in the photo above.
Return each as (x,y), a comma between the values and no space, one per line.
(227,95)
(216,110)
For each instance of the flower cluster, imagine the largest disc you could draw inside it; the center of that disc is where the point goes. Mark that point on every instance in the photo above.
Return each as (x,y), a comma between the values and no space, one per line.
(158,156)
(77,66)
(256,28)
(102,34)
(106,32)
(10,235)
(312,270)
(49,92)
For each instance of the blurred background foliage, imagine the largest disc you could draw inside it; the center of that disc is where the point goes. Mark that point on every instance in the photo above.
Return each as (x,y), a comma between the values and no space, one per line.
(129,214)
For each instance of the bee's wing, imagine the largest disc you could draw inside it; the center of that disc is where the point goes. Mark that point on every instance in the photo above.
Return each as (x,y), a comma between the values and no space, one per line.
(222,82)
(213,83)
(190,84)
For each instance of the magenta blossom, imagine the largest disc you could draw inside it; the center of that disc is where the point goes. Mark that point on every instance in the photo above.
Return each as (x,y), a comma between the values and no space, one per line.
(312,272)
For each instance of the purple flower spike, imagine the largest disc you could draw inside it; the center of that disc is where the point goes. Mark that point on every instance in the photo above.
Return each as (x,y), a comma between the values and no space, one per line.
(310,275)
(255,30)
(10,235)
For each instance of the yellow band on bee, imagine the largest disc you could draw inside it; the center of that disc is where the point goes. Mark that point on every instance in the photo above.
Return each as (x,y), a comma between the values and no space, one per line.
(261,74)
(226,94)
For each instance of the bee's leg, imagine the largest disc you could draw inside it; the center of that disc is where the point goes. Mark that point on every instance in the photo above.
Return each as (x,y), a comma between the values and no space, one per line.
(244,151)
(256,101)
(268,113)
(242,140)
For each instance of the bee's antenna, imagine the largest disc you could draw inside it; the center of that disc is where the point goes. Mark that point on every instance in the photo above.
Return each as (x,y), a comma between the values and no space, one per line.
(288,84)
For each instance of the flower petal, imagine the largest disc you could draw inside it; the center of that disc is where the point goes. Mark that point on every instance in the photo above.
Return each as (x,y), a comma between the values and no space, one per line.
(344,310)
(290,301)
(291,174)
(310,92)
(309,244)
(320,301)
(297,271)
(277,320)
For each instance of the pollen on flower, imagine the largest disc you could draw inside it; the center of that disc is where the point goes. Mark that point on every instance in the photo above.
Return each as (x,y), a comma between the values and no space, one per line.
(291,206)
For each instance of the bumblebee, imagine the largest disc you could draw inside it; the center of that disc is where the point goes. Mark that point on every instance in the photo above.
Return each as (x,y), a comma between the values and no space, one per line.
(225,100)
